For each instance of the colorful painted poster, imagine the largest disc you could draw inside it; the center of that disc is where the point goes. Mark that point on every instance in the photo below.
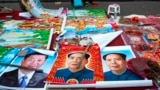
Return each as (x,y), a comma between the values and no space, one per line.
(55,23)
(84,21)
(144,41)
(87,13)
(26,38)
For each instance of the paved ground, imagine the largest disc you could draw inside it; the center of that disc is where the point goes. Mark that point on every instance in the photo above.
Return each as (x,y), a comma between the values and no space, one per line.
(126,7)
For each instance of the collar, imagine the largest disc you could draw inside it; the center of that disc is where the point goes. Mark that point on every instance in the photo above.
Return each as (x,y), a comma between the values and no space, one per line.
(121,72)
(29,75)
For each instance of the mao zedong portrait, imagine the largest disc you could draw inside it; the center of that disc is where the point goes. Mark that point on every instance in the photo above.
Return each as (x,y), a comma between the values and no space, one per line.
(76,68)
(25,77)
(117,64)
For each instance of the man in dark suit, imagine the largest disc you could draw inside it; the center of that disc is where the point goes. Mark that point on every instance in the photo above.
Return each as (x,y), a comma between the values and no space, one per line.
(117,64)
(29,68)
(76,68)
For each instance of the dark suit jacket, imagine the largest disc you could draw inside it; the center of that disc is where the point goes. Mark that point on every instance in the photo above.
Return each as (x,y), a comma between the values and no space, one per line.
(127,75)
(11,79)
(66,74)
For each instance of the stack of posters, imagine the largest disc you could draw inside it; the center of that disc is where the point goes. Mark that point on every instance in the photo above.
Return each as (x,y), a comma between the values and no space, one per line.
(143,36)
(73,71)
(67,68)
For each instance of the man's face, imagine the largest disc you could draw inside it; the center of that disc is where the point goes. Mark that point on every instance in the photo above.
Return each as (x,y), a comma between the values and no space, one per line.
(115,63)
(74,62)
(34,61)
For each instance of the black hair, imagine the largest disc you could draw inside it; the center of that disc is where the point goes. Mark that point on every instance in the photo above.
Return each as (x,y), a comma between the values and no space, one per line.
(86,55)
(35,53)
(121,54)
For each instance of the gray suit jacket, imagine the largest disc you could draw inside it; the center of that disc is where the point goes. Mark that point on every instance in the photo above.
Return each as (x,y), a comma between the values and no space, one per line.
(11,79)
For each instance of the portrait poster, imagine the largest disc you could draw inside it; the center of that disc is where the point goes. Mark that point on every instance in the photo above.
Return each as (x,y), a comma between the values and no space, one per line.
(117,49)
(94,64)
(118,82)
(17,56)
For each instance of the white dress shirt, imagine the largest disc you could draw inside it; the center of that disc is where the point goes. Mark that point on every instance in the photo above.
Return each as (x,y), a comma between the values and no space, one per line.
(29,76)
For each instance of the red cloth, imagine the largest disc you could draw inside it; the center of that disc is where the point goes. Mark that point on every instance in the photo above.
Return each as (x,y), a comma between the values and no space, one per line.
(15,15)
(116,42)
